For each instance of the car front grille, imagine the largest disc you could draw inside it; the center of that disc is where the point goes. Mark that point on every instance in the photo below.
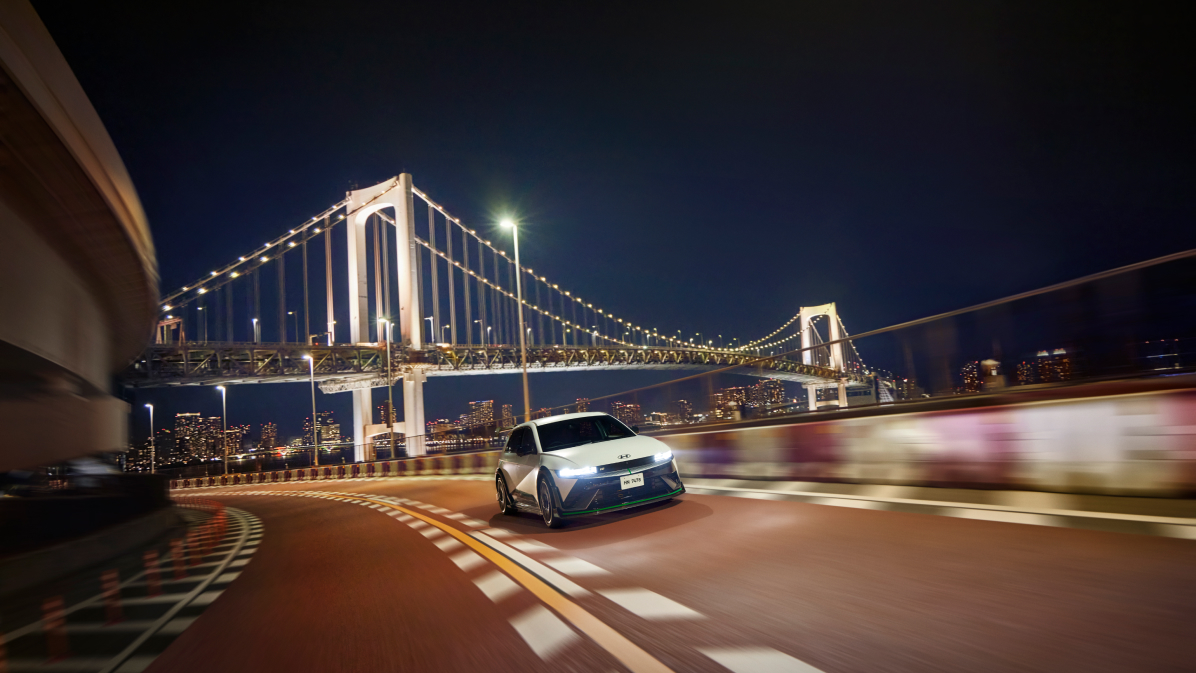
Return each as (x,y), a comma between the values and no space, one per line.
(625,465)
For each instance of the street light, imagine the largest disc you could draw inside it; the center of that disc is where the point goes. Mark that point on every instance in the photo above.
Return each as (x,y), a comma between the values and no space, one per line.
(442,329)
(296,323)
(432,326)
(204,316)
(152,447)
(315,424)
(224,418)
(527,399)
(390,400)
(255,331)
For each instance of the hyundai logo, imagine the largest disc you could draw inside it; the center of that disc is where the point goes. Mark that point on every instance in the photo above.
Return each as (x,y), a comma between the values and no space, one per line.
(624,455)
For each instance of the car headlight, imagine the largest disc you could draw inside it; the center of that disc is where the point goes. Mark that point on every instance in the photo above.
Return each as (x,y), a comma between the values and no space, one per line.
(576,471)
(663,456)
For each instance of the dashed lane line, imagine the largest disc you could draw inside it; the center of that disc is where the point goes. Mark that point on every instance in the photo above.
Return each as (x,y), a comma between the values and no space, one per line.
(649,604)
(757,660)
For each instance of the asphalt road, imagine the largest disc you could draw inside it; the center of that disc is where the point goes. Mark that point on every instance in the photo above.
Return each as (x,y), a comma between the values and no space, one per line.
(426,575)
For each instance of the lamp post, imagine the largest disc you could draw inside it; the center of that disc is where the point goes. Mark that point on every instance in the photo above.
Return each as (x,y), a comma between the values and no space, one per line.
(152,446)
(480,335)
(488,330)
(315,423)
(442,329)
(224,418)
(295,321)
(432,326)
(255,332)
(390,387)
(204,324)
(527,399)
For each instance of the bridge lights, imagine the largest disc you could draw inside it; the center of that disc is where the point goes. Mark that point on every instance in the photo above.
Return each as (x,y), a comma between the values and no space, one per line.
(151,410)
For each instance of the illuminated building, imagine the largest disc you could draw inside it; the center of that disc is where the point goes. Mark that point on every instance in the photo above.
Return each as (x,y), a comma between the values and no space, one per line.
(325,418)
(188,436)
(971,377)
(508,417)
(1054,366)
(330,433)
(480,413)
(583,404)
(384,412)
(542,412)
(269,437)
(1027,373)
(629,414)
(685,410)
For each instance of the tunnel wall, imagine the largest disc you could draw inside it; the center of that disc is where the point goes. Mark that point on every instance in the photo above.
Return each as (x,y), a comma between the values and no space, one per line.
(1135,444)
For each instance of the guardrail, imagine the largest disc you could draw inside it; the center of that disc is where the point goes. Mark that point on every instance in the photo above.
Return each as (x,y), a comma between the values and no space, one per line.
(468,463)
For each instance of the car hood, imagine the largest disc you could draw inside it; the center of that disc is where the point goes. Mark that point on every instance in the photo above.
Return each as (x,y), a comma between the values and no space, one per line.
(613,451)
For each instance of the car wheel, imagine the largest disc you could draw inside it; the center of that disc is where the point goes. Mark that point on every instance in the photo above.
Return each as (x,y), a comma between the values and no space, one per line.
(548,506)
(506,505)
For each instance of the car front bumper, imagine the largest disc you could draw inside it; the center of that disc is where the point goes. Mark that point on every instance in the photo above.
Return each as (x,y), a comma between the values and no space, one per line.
(605,494)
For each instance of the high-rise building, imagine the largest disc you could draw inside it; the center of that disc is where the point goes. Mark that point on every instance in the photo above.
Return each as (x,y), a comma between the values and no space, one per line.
(324,418)
(629,414)
(269,437)
(481,413)
(1053,366)
(583,404)
(385,411)
(330,433)
(188,436)
(685,410)
(971,377)
(508,417)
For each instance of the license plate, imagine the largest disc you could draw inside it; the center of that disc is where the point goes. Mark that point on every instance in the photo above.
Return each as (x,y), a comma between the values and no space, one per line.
(631,481)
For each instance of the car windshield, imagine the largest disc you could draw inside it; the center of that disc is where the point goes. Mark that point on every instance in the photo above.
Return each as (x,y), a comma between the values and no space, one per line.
(578,431)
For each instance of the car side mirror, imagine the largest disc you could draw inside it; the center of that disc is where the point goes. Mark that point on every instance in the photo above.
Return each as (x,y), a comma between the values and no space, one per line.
(635,429)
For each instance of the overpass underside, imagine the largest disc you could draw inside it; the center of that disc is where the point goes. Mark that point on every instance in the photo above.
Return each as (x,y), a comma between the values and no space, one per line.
(354,367)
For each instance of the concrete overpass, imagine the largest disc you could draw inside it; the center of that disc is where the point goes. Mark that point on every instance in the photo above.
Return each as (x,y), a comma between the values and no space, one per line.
(78,276)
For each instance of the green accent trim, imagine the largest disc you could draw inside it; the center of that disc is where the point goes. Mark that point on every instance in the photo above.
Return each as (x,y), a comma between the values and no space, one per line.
(626,504)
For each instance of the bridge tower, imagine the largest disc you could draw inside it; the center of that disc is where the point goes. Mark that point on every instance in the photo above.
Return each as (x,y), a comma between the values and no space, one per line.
(393,194)
(808,313)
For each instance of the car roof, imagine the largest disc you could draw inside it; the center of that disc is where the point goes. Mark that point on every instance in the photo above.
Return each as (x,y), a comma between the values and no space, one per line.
(561,417)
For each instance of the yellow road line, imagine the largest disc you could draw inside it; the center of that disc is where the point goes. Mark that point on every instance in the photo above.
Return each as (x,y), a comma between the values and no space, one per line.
(628,653)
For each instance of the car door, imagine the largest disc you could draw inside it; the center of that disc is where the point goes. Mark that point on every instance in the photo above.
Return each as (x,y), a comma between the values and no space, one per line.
(511,467)
(527,458)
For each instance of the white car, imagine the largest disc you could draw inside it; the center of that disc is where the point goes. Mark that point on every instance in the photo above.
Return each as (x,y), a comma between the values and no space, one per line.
(576,464)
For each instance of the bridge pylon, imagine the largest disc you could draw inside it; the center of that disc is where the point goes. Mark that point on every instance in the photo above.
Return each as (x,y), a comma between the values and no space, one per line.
(395,194)
(838,363)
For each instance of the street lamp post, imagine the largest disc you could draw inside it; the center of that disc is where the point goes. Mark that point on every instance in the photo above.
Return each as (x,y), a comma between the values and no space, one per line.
(442,329)
(390,399)
(256,334)
(294,321)
(152,442)
(432,326)
(224,418)
(204,318)
(315,423)
(527,399)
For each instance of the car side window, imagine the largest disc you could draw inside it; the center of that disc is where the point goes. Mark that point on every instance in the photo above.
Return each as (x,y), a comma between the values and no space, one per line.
(514,440)
(529,442)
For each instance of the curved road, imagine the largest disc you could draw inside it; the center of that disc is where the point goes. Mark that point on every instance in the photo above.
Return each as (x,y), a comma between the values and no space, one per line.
(423,574)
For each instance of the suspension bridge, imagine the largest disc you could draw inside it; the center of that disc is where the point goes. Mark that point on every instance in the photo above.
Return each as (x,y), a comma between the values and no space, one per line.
(452,295)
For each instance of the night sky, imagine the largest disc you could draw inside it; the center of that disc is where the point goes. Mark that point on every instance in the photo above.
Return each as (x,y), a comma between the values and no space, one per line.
(698,169)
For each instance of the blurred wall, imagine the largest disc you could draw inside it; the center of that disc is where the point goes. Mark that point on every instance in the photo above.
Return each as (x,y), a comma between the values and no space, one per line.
(1133,444)
(78,278)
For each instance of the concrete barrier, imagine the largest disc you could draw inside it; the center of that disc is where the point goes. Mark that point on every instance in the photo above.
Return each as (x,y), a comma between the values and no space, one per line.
(1131,444)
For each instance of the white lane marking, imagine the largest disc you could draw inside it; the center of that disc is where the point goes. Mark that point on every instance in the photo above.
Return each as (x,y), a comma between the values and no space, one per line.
(1183,532)
(418,524)
(497,532)
(176,626)
(467,560)
(531,546)
(206,597)
(496,586)
(237,563)
(650,605)
(431,533)
(457,516)
(1002,517)
(438,510)
(557,580)
(757,660)
(474,523)
(846,502)
(575,566)
(448,543)
(227,577)
(543,631)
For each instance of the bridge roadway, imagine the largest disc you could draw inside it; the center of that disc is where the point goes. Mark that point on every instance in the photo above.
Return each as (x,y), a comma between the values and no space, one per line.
(343,367)
(704,583)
